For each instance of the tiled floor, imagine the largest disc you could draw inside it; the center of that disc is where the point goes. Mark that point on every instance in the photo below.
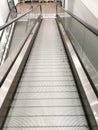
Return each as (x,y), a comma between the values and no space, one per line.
(46,7)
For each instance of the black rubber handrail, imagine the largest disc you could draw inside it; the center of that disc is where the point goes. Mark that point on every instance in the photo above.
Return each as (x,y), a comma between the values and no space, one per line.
(17,18)
(88,26)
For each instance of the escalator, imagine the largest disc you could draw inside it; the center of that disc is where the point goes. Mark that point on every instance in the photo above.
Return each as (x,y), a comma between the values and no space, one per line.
(47,97)
(43,83)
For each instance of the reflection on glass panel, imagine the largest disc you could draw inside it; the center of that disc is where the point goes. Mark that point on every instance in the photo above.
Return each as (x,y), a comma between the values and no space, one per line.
(13,10)
(14,37)
(84,11)
(11,4)
(1,22)
(85,43)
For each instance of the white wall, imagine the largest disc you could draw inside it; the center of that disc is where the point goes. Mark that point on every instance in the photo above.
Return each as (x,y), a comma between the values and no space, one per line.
(80,8)
(4,10)
(1,22)
(66,4)
(92,5)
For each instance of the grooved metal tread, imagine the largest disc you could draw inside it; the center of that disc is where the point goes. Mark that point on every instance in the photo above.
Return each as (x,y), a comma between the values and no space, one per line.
(47,97)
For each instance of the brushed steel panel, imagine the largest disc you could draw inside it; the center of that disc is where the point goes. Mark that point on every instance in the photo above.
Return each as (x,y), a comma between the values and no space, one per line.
(45,111)
(46,67)
(47,64)
(48,74)
(35,56)
(46,95)
(46,89)
(47,83)
(47,61)
(46,70)
(46,121)
(49,102)
(47,78)
(60,74)
(38,62)
(48,58)
(49,128)
(54,51)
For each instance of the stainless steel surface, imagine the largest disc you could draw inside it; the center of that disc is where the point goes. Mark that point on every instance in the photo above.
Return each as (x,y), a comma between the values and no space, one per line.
(10,83)
(87,92)
(47,97)
(80,20)
(49,128)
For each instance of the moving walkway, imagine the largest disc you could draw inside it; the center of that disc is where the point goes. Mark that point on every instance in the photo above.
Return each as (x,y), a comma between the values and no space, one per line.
(40,91)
